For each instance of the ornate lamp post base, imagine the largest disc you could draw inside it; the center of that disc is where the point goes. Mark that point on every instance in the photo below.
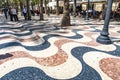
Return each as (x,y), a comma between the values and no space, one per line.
(104,36)
(104,39)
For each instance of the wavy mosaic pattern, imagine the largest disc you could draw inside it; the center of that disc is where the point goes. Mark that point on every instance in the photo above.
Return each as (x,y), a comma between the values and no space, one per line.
(41,51)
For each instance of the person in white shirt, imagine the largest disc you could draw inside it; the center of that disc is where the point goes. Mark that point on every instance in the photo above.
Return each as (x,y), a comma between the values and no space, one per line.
(5,11)
(14,13)
(25,13)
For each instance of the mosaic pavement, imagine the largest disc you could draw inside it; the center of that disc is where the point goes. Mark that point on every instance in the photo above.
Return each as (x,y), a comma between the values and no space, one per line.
(41,51)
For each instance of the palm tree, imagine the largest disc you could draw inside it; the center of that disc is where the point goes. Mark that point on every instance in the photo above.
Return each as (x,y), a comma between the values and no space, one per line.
(16,3)
(28,9)
(41,10)
(57,7)
(66,17)
(74,8)
(21,5)
(45,6)
(38,3)
(32,4)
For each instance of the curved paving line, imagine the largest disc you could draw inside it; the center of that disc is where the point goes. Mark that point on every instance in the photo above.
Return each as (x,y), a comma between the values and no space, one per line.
(38,28)
(118,31)
(24,28)
(96,30)
(27,73)
(88,73)
(58,58)
(36,37)
(24,34)
(115,52)
(27,33)
(20,27)
(77,36)
(42,46)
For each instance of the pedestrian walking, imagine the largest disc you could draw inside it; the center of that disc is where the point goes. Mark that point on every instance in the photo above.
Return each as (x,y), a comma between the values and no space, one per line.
(25,13)
(5,11)
(10,14)
(14,13)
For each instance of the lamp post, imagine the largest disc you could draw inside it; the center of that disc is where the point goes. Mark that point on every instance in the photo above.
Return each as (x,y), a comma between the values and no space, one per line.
(104,38)
(87,13)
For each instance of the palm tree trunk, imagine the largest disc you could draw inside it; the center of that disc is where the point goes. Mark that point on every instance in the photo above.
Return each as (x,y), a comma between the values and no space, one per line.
(28,10)
(41,10)
(74,8)
(32,4)
(66,17)
(57,7)
(16,3)
(45,8)
(21,6)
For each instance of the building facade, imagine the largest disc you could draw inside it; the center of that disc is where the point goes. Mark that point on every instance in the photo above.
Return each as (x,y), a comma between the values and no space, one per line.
(97,5)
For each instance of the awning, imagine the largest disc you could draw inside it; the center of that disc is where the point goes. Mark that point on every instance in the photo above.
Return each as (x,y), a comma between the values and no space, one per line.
(53,3)
(93,0)
(98,1)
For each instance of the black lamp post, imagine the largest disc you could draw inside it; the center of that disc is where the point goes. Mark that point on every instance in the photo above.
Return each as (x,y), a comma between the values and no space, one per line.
(87,13)
(104,38)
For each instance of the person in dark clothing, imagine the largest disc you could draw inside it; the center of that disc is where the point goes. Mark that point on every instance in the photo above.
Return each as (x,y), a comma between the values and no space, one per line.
(14,13)
(25,13)
(5,11)
(10,14)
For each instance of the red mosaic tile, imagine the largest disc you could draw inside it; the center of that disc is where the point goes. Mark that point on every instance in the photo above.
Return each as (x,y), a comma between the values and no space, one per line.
(111,67)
